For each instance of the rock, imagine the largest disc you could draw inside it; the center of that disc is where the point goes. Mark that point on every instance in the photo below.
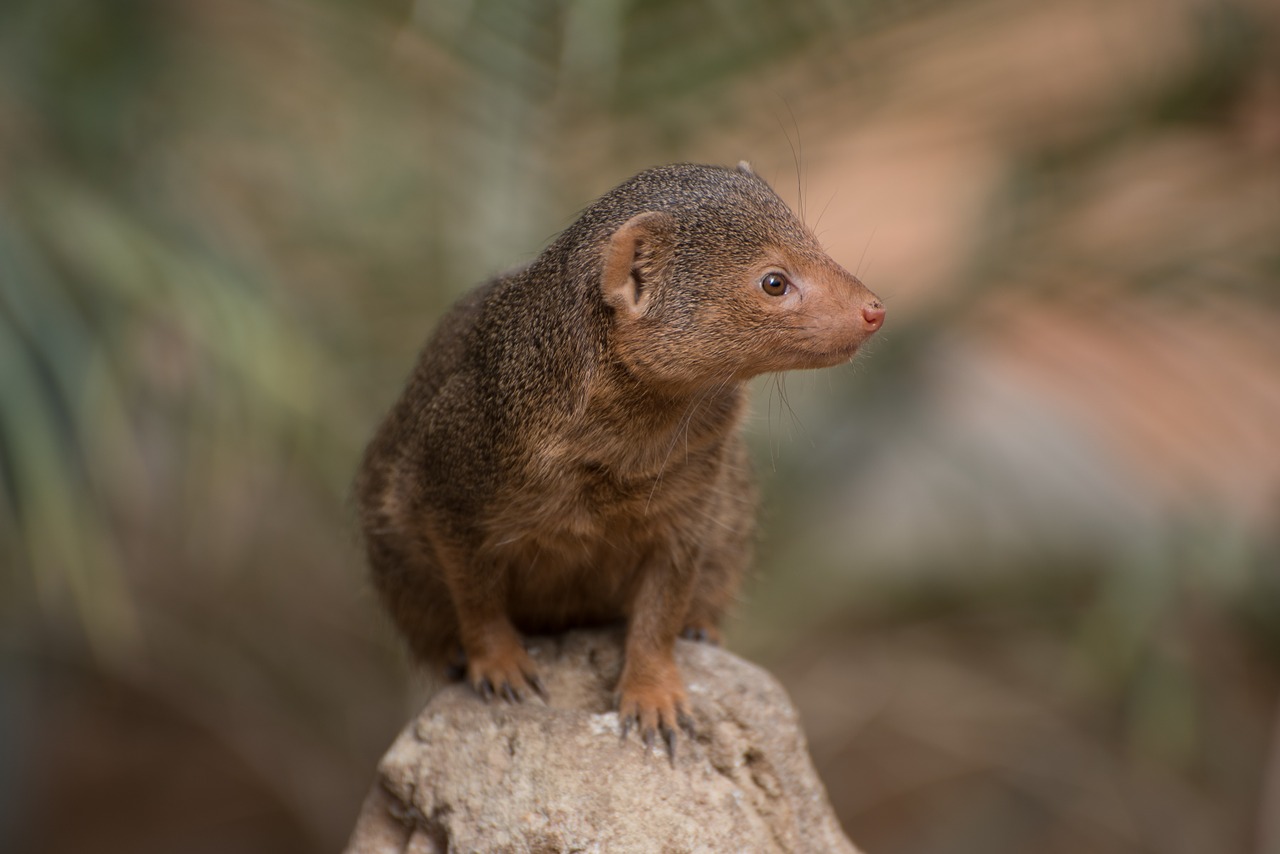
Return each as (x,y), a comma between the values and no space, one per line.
(465,776)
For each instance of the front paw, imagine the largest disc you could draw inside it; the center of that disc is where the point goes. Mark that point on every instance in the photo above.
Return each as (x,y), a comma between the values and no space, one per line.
(654,704)
(504,671)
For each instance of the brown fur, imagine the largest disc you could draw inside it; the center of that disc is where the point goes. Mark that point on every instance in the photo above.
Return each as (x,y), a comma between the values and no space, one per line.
(567,450)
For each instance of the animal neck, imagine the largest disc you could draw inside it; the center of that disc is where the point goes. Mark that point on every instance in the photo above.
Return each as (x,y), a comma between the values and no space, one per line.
(647,413)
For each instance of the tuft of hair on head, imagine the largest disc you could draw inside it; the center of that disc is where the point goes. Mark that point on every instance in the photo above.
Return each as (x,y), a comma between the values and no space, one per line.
(745,168)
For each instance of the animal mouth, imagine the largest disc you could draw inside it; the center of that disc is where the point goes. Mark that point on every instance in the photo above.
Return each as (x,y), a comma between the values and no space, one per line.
(821,347)
(847,351)
(841,350)
(824,357)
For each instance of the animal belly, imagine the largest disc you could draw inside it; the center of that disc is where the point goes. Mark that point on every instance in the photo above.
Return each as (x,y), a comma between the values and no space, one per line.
(556,586)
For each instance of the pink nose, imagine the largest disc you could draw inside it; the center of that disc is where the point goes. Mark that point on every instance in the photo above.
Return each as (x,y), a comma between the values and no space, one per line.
(873,315)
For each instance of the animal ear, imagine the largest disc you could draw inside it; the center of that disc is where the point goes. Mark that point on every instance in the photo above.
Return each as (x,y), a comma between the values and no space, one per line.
(633,260)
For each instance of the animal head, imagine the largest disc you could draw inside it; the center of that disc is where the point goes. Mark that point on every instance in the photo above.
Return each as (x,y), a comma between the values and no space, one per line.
(714,279)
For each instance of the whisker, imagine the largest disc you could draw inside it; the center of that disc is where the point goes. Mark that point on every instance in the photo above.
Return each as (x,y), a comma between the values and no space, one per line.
(796,153)
(858,270)
(682,428)
(782,388)
(824,209)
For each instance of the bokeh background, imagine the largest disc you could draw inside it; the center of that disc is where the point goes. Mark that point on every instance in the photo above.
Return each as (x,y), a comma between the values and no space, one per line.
(1020,566)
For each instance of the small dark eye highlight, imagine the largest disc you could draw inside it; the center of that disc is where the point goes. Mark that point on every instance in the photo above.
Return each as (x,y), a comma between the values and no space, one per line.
(775,284)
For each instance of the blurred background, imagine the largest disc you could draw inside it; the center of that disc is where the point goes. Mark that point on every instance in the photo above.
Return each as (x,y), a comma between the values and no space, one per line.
(1020,562)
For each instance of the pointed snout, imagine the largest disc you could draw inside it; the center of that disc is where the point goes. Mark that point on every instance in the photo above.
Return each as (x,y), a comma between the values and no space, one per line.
(840,314)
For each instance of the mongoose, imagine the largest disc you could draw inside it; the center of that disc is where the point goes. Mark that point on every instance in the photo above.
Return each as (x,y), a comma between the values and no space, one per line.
(567,450)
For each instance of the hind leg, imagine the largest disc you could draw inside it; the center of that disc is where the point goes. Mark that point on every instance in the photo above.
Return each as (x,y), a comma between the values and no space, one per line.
(414,592)
(715,590)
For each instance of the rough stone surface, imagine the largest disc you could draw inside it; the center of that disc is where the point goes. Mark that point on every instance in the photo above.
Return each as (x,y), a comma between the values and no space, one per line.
(556,777)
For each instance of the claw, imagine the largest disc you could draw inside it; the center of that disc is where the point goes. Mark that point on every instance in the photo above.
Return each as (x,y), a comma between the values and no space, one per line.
(536,684)
(626,726)
(669,736)
(648,741)
(701,634)
(511,695)
(685,722)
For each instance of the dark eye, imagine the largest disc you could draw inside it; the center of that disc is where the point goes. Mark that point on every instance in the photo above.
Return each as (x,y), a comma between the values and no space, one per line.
(775,284)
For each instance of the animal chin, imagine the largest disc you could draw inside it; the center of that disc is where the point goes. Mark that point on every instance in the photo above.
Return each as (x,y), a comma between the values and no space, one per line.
(828,353)
(840,356)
